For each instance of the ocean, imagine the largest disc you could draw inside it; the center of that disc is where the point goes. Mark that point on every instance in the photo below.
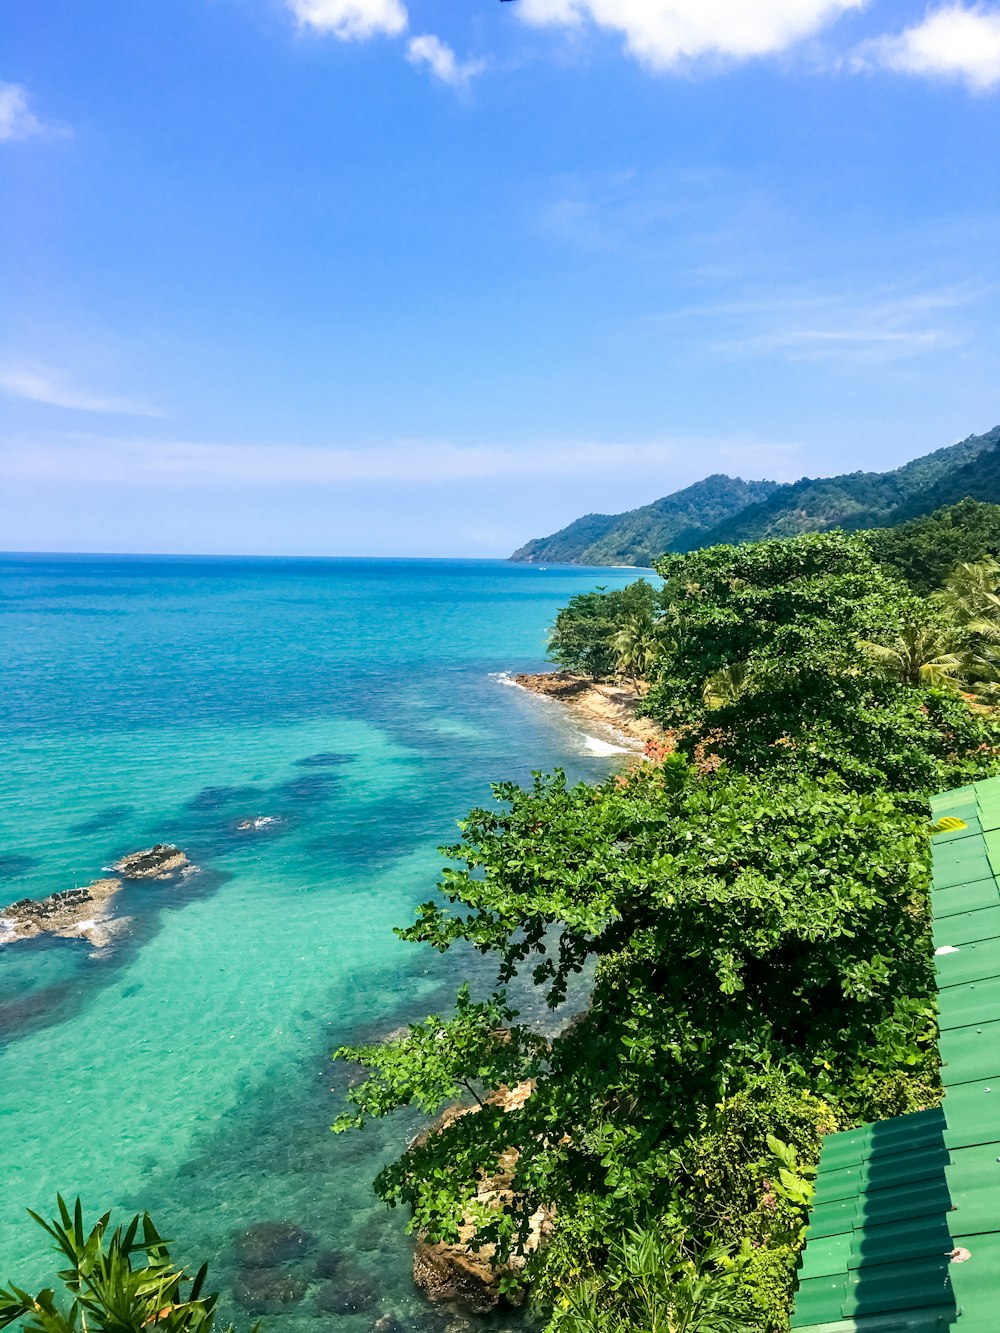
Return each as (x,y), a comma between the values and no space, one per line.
(349,711)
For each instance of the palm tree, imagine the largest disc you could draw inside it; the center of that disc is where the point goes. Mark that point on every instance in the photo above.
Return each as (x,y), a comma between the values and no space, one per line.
(942,655)
(971,592)
(725,686)
(637,646)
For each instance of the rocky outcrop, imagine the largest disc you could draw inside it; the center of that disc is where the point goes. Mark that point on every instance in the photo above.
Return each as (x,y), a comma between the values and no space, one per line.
(88,913)
(157,862)
(70,914)
(594,701)
(460,1274)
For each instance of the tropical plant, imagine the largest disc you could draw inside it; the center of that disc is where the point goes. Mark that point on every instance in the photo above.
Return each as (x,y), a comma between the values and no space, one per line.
(637,646)
(653,1284)
(122,1281)
(938,655)
(970,592)
(583,636)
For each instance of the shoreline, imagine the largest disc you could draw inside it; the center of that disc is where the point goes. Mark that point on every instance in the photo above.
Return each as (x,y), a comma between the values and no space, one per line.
(613,706)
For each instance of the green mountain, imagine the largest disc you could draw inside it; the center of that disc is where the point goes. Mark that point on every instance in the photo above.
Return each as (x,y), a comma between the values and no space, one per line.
(723,509)
(640,536)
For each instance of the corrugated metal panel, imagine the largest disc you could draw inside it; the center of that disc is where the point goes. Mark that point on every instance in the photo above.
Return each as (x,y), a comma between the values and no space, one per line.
(904,1236)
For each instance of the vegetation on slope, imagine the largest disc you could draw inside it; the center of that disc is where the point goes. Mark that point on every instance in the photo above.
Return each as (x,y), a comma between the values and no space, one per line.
(755,904)
(642,535)
(720,510)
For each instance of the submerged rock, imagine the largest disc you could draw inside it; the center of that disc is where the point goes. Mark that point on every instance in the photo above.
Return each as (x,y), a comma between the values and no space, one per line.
(268,1290)
(327,1263)
(350,1291)
(267,1244)
(157,862)
(390,1323)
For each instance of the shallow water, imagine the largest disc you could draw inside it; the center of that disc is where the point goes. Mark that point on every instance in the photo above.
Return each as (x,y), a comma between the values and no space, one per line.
(350,712)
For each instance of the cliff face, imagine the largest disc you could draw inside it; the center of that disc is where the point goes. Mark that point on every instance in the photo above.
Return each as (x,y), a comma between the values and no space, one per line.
(728,510)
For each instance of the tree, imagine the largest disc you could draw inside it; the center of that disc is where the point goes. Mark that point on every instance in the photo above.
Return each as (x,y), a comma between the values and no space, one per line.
(764,666)
(924,551)
(746,934)
(120,1282)
(583,636)
(637,646)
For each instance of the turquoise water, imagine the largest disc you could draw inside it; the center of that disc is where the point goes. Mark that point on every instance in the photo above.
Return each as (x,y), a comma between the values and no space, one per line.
(185,1069)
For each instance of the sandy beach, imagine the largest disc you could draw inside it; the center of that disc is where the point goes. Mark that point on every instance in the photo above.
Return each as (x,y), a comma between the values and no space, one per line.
(613,705)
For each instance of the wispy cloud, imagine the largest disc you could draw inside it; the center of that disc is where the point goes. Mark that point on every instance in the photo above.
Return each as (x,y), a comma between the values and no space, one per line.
(17,120)
(39,385)
(352,20)
(441,60)
(665,34)
(954,42)
(193,464)
(822,326)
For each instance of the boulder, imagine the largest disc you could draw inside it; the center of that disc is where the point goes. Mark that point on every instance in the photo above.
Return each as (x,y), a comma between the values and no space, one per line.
(267,1244)
(70,913)
(157,862)
(268,1290)
(460,1274)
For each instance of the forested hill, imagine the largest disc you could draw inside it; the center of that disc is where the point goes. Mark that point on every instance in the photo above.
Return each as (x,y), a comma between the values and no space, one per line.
(641,536)
(724,509)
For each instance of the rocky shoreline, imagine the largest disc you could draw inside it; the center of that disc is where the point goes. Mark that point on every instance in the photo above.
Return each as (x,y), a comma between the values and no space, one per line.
(612,705)
(87,913)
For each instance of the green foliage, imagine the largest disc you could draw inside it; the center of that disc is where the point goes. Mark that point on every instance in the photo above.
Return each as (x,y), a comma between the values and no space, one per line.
(754,910)
(806,655)
(739,927)
(723,510)
(924,551)
(439,1060)
(583,638)
(642,535)
(652,1284)
(122,1281)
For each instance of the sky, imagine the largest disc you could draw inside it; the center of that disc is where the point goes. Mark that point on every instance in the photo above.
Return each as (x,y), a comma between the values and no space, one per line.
(433,277)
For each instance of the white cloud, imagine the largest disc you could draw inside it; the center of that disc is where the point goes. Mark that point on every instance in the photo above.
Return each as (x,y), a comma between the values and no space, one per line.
(665,33)
(352,20)
(17,120)
(954,42)
(43,386)
(441,60)
(194,464)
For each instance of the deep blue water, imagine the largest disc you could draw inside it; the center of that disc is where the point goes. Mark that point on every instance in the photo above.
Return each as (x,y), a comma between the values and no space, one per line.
(185,1068)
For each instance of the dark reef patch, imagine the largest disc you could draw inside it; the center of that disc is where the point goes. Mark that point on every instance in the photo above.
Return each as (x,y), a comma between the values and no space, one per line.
(267,1244)
(310,787)
(108,817)
(219,798)
(325,759)
(14,864)
(267,1291)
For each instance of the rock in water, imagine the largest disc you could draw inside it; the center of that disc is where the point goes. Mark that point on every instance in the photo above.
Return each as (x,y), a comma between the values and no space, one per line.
(267,1291)
(158,862)
(462,1274)
(267,1244)
(70,914)
(352,1290)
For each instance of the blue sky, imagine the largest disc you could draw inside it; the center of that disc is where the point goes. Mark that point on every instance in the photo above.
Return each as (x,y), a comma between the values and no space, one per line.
(435,276)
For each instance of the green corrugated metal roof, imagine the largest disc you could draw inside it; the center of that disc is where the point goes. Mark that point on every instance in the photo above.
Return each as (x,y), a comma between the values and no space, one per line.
(894,1199)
